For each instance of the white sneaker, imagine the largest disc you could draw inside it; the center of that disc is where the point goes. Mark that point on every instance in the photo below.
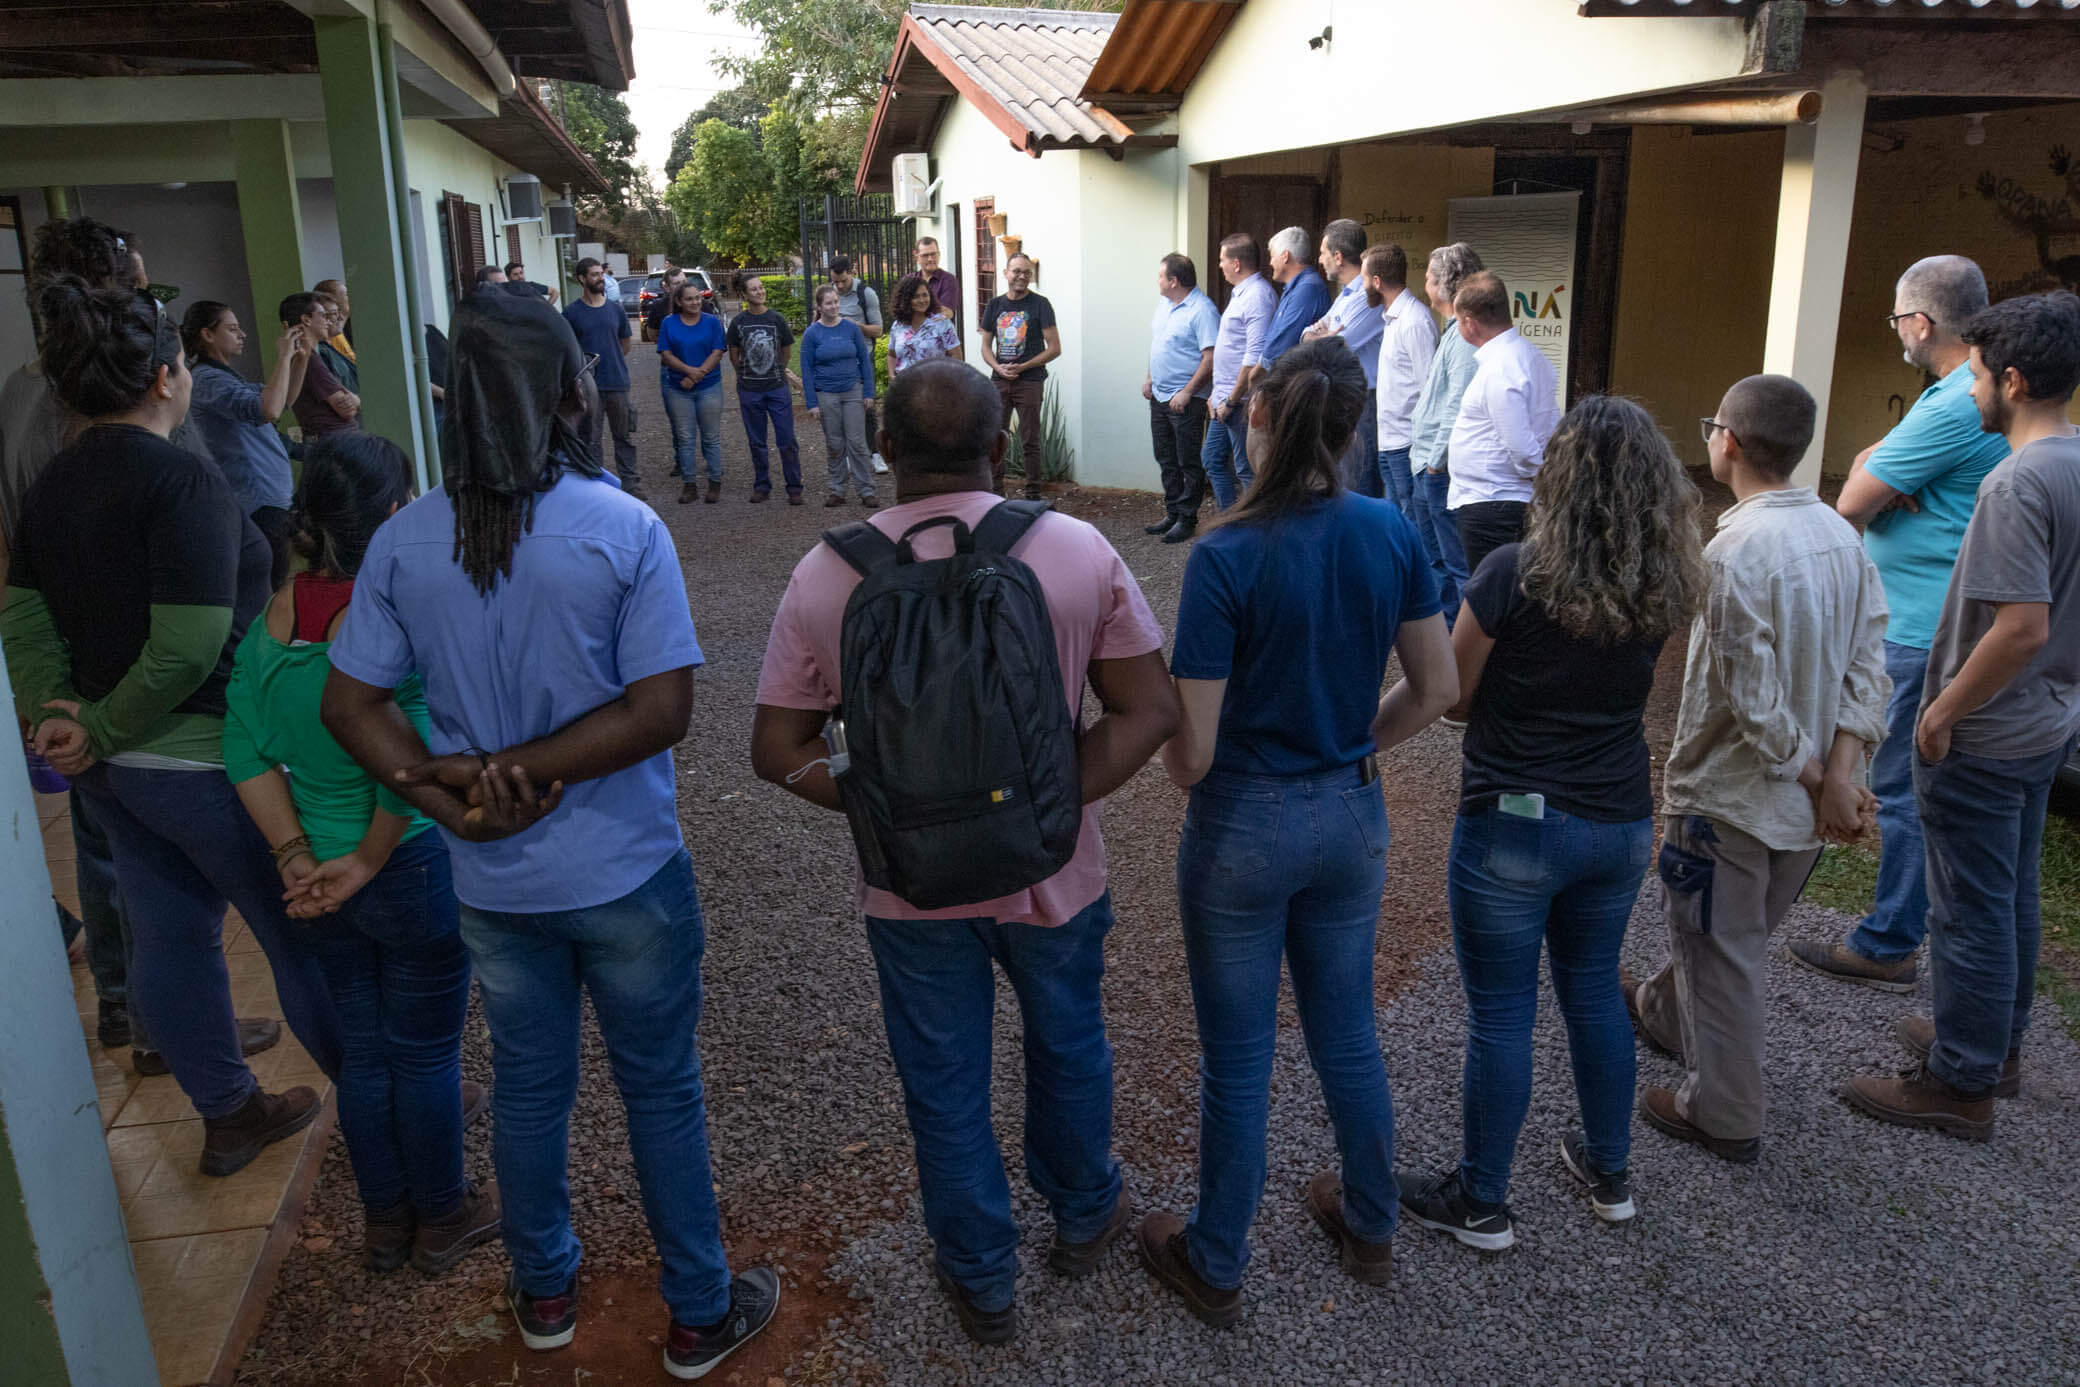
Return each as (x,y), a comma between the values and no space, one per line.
(879,465)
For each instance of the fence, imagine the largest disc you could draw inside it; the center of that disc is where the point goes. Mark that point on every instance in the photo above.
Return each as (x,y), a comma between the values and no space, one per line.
(880,243)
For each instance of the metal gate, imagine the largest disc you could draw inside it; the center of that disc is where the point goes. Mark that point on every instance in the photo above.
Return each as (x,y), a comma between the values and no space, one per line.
(881,244)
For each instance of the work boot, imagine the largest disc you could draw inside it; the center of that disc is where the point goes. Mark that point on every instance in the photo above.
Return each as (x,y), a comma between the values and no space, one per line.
(1161,525)
(386,1239)
(1917,1098)
(868,502)
(1371,1263)
(442,1242)
(1162,1241)
(982,1326)
(1629,984)
(836,498)
(1831,958)
(714,491)
(1918,1035)
(229,1144)
(1657,1108)
(112,1025)
(1183,530)
(255,1034)
(690,491)
(1081,1259)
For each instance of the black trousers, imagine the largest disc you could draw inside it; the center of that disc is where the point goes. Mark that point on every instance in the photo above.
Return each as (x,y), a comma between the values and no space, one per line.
(1485,526)
(1178,436)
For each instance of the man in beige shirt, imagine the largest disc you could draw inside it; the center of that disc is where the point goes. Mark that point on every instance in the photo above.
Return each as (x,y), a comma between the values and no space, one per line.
(1784,694)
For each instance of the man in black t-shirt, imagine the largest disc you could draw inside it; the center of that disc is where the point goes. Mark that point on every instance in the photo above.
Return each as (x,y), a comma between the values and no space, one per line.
(1018,340)
(758,344)
(662,304)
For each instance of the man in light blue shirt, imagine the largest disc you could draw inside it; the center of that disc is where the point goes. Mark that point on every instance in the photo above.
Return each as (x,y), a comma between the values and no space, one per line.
(1238,355)
(1355,318)
(1913,492)
(1180,366)
(1452,369)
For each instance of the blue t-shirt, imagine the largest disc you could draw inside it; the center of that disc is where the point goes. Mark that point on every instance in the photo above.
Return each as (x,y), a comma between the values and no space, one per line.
(691,345)
(1299,615)
(595,602)
(1938,455)
(601,331)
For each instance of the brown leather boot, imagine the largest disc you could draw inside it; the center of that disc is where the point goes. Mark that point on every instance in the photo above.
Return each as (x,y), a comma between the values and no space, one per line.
(441,1243)
(1161,1237)
(1371,1263)
(229,1144)
(386,1239)
(1918,1098)
(1918,1035)
(1081,1259)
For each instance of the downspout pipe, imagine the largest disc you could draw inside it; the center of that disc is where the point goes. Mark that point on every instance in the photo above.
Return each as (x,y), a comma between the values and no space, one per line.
(462,26)
(408,246)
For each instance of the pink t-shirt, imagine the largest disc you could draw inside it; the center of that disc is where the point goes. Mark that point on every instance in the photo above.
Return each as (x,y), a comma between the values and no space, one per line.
(1098,613)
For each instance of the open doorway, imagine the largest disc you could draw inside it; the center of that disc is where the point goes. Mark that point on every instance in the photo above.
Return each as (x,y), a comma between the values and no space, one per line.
(1525,163)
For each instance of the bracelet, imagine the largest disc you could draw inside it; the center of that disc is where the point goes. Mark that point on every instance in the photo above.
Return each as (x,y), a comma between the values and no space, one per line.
(284,851)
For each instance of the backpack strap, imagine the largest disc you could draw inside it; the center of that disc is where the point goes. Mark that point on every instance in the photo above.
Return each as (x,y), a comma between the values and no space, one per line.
(862,546)
(1006,524)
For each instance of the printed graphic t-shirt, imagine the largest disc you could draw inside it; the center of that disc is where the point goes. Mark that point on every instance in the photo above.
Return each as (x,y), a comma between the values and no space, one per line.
(1020,326)
(763,338)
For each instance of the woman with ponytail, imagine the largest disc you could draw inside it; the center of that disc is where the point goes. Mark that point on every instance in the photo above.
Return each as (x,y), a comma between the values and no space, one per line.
(137,574)
(237,418)
(380,902)
(1293,602)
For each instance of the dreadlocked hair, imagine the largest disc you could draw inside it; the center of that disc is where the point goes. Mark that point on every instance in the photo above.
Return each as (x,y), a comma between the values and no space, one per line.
(488,524)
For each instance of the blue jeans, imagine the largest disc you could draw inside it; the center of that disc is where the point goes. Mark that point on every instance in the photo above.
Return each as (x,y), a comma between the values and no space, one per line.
(1441,539)
(399,976)
(1982,824)
(1359,465)
(109,943)
(1226,459)
(640,958)
(1394,477)
(183,846)
(938,998)
(1899,911)
(1569,884)
(1293,867)
(777,406)
(696,417)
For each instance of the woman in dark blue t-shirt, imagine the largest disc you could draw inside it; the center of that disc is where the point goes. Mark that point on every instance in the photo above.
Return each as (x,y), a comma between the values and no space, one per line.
(1556,648)
(1293,601)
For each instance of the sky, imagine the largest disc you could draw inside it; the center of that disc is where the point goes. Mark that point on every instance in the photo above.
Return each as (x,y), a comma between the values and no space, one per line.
(675,43)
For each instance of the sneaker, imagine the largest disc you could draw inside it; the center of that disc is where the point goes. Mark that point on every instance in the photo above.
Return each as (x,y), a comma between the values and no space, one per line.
(546,1321)
(754,1296)
(714,491)
(1161,1239)
(879,464)
(1831,958)
(1437,1202)
(1917,1098)
(1610,1195)
(476,1101)
(229,1144)
(255,1034)
(1081,1259)
(1371,1263)
(112,1025)
(1629,985)
(980,1325)
(1917,1034)
(440,1243)
(836,498)
(690,491)
(386,1239)
(1657,1108)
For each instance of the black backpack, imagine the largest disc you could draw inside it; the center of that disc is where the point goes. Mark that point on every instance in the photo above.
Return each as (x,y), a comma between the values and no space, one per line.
(963,783)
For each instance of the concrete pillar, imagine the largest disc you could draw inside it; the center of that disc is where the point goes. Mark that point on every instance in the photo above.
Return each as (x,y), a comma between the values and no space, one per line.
(376,255)
(69,1309)
(272,221)
(1814,206)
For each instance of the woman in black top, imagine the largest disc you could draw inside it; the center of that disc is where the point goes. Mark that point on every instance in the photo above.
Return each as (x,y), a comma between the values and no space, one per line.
(1556,644)
(137,573)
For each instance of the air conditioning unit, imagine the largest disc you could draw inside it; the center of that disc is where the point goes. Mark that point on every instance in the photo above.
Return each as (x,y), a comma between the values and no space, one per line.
(912,178)
(523,198)
(563,221)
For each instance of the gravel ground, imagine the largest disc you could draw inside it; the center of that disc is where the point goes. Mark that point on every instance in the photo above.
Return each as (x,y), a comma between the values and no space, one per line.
(1847,1255)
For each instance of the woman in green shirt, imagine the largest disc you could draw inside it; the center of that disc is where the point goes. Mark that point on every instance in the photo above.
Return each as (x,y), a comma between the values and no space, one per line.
(375,884)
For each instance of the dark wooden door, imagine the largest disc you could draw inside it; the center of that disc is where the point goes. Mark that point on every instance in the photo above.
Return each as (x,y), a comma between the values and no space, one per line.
(1261,204)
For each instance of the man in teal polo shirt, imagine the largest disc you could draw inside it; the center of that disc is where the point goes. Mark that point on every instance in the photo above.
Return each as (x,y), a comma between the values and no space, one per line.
(1913,493)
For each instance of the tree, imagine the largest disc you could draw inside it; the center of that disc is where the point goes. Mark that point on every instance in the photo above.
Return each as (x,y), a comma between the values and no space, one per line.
(740,106)
(598,122)
(740,190)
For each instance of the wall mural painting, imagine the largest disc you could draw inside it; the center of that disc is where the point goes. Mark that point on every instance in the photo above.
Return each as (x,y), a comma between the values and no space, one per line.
(2043,219)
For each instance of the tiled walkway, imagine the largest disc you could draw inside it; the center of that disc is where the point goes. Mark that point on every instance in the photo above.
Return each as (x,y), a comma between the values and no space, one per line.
(206,1249)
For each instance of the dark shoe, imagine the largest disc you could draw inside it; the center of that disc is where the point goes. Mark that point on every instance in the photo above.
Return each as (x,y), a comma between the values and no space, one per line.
(1918,1035)
(1630,985)
(754,1296)
(546,1321)
(836,498)
(1610,1195)
(442,1242)
(230,1143)
(1831,958)
(112,1025)
(476,1101)
(1918,1098)
(760,497)
(794,498)
(1437,1202)
(386,1242)
(255,1034)
(1180,532)
(869,502)
(714,492)
(1371,1263)
(1081,1259)
(1161,1239)
(1033,492)
(1657,1108)
(983,1326)
(691,491)
(635,489)
(1160,526)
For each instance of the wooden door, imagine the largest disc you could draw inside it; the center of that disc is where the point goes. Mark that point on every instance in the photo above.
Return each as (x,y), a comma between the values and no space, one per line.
(1262,204)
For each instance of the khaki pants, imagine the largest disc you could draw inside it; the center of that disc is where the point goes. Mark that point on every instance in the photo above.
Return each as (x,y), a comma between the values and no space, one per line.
(1723,894)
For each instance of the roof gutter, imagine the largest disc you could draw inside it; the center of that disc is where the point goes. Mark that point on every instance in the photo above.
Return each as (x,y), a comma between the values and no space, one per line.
(462,26)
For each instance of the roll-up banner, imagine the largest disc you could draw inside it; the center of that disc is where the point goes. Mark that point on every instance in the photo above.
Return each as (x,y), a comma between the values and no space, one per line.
(1528,240)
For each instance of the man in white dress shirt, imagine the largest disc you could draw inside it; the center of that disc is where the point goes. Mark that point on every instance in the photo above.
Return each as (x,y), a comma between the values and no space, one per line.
(1509,412)
(1408,340)
(1358,323)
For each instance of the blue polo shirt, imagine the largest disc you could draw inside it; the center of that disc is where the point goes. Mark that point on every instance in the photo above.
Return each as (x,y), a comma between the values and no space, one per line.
(1300,303)
(601,331)
(596,601)
(1179,335)
(1937,454)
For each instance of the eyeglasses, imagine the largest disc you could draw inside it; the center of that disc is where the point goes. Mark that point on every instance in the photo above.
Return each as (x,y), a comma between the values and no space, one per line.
(1706,425)
(1892,319)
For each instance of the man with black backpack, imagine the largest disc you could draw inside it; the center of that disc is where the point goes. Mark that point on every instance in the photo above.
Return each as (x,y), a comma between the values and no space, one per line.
(925,675)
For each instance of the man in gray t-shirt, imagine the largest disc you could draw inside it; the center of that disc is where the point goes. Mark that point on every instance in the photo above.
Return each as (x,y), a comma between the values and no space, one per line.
(1998,716)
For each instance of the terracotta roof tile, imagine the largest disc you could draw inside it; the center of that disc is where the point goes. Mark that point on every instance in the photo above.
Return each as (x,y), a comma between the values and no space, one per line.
(1032,61)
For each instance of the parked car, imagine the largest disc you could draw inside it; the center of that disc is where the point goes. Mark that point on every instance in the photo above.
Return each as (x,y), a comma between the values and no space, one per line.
(653,286)
(631,287)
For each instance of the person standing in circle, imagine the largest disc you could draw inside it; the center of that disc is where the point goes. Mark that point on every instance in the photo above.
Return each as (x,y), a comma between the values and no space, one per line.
(690,344)
(1019,338)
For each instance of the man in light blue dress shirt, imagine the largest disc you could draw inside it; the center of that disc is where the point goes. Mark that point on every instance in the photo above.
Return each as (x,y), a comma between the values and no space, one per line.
(1180,368)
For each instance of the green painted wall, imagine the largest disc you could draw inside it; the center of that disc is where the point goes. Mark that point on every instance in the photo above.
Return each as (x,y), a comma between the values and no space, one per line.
(271,220)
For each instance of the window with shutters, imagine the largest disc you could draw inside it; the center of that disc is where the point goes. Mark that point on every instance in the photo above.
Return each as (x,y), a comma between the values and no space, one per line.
(462,270)
(513,245)
(476,240)
(985,259)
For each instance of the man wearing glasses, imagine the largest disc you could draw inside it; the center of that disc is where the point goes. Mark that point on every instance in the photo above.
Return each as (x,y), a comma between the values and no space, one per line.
(1913,493)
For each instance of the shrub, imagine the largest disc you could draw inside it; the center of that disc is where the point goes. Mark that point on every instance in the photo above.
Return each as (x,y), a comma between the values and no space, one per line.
(783,296)
(1057,455)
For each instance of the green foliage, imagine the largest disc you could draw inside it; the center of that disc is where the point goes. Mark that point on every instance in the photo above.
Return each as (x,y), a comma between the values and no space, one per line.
(740,190)
(783,296)
(880,345)
(1057,454)
(598,122)
(740,106)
